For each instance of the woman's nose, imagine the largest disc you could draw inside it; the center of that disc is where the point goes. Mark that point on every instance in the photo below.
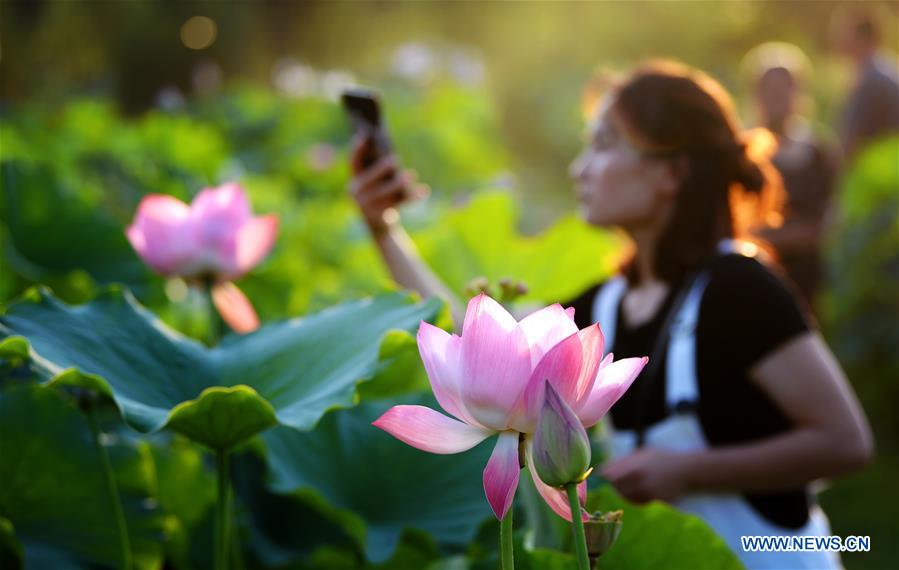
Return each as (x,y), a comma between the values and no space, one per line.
(576,168)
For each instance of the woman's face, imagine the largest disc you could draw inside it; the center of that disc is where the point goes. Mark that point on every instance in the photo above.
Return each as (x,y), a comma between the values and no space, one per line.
(617,185)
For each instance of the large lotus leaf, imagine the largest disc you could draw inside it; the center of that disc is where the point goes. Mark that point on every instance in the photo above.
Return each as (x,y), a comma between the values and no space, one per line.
(282,529)
(53,492)
(415,550)
(659,536)
(483,552)
(482,240)
(287,372)
(479,239)
(378,485)
(536,559)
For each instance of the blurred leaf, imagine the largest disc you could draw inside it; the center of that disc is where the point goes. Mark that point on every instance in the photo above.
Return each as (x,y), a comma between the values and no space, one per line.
(186,492)
(861,306)
(284,529)
(10,548)
(448,134)
(404,374)
(481,240)
(657,535)
(288,372)
(525,558)
(378,485)
(14,347)
(55,231)
(187,147)
(52,487)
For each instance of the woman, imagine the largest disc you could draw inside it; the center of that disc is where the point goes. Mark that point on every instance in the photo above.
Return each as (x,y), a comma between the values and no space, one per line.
(742,406)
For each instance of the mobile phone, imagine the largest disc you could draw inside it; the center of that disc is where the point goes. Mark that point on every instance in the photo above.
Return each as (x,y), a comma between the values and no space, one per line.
(364,110)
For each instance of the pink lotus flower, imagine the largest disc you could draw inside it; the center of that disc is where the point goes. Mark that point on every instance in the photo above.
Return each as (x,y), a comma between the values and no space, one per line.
(492,379)
(216,238)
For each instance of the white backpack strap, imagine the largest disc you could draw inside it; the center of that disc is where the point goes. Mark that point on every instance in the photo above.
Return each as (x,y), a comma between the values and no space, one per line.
(742,247)
(728,245)
(682,385)
(605,308)
(682,388)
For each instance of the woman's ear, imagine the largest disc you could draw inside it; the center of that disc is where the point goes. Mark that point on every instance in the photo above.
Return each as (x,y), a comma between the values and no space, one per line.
(673,173)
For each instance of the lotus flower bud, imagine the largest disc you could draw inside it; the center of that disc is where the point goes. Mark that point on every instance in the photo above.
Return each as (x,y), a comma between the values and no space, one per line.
(561,445)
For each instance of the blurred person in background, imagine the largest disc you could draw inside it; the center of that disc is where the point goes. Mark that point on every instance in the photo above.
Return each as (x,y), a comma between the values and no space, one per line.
(872,109)
(807,165)
(742,406)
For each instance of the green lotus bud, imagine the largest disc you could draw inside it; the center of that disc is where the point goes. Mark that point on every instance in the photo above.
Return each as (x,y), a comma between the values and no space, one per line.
(561,445)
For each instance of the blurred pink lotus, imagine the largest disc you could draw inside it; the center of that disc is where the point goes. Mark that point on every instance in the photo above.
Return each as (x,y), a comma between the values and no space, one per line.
(215,239)
(493,379)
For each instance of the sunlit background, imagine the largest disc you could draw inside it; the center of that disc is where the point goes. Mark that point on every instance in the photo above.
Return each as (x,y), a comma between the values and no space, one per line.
(528,60)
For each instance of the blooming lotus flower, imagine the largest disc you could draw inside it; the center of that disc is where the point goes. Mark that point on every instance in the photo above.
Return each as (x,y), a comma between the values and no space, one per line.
(216,238)
(492,380)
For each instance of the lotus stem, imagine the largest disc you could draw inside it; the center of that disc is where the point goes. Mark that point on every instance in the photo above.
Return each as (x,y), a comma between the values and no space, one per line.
(577,528)
(111,487)
(506,554)
(216,326)
(222,548)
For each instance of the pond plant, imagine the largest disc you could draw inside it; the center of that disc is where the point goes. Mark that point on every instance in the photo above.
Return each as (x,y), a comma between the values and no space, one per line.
(512,379)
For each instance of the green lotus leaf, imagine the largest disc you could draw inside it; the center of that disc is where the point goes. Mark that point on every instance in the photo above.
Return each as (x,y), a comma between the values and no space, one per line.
(657,535)
(415,550)
(14,347)
(535,559)
(223,415)
(482,239)
(187,492)
(10,547)
(288,372)
(405,373)
(378,486)
(52,489)
(60,224)
(283,530)
(77,379)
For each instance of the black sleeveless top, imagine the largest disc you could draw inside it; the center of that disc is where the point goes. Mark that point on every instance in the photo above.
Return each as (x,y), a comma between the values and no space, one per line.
(747,311)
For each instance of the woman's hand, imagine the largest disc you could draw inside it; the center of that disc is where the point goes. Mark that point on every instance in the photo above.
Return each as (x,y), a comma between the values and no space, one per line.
(649,474)
(830,436)
(380,188)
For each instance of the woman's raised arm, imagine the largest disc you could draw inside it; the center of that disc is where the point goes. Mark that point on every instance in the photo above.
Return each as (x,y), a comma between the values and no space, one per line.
(378,190)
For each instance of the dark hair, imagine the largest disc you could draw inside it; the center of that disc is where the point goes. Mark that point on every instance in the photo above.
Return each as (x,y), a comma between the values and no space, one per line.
(728,186)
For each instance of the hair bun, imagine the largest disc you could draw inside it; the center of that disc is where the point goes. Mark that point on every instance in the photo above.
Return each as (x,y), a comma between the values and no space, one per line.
(754,148)
(748,174)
